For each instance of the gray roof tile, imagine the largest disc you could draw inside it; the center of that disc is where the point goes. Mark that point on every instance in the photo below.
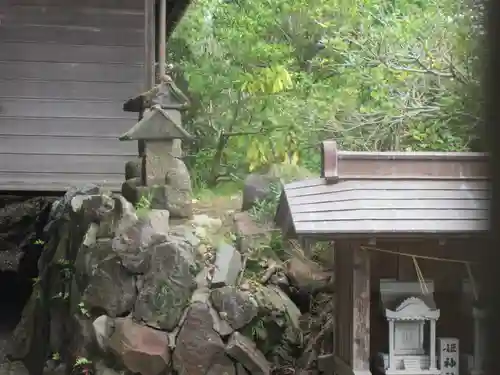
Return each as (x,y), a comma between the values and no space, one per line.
(388,206)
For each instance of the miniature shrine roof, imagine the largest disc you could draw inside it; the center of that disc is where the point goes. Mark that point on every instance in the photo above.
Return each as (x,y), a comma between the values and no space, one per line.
(393,292)
(388,194)
(393,304)
(413,308)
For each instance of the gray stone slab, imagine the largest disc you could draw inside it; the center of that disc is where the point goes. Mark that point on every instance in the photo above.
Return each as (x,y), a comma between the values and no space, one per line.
(228,265)
(244,351)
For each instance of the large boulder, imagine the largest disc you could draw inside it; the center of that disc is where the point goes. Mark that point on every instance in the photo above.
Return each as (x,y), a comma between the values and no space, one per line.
(257,188)
(132,241)
(262,186)
(243,350)
(222,365)
(141,349)
(168,285)
(236,307)
(198,345)
(104,282)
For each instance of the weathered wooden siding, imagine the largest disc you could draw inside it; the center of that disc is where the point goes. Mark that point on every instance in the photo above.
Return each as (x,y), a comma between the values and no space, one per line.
(66,67)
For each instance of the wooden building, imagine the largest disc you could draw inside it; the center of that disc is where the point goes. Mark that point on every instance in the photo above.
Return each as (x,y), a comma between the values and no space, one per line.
(379,209)
(66,67)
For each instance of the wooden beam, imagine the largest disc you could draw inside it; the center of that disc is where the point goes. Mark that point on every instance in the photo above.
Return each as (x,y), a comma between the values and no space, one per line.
(403,165)
(329,161)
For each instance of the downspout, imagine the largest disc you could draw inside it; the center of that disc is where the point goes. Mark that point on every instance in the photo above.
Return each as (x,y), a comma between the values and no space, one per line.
(163,40)
(162,19)
(162,65)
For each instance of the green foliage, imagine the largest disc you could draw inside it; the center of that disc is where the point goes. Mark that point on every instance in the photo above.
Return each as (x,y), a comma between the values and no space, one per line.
(259,331)
(143,206)
(82,366)
(81,361)
(270,79)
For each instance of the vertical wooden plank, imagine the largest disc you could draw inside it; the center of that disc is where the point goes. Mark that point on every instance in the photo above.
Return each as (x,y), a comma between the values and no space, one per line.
(406,269)
(343,295)
(361,310)
(338,301)
(149,44)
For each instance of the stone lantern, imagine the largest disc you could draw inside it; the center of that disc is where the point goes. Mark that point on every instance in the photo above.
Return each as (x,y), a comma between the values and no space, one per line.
(163,175)
(474,362)
(408,311)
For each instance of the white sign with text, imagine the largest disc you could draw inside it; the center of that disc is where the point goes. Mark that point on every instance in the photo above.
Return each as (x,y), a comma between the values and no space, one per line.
(448,355)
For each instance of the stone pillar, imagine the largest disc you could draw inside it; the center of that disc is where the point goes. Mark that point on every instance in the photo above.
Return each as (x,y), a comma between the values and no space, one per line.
(432,348)
(391,366)
(159,160)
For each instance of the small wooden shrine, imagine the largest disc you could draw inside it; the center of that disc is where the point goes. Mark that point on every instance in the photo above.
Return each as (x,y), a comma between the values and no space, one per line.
(404,216)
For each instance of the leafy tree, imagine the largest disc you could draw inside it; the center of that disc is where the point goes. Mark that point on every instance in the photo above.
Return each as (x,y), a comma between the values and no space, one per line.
(270,79)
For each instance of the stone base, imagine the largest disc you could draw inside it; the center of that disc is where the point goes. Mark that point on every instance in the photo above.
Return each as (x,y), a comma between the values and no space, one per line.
(158,197)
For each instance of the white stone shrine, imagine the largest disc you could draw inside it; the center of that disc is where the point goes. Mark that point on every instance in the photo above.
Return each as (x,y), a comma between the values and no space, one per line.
(408,312)
(473,362)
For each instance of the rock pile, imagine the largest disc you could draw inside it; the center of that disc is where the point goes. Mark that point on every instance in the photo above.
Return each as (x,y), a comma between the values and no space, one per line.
(123,291)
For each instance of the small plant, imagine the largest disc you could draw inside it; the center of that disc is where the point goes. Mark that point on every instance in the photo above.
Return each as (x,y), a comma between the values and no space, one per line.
(65,268)
(194,269)
(82,361)
(56,356)
(82,366)
(83,310)
(63,262)
(39,242)
(61,295)
(259,332)
(264,209)
(143,206)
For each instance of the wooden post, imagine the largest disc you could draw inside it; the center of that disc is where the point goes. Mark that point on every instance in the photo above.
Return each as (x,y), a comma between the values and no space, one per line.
(361,311)
(352,284)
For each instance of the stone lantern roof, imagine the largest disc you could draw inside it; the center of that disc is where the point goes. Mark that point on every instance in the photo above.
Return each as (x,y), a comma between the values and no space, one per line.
(157,124)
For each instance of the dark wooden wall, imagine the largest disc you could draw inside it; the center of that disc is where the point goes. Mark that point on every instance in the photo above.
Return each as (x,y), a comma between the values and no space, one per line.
(66,67)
